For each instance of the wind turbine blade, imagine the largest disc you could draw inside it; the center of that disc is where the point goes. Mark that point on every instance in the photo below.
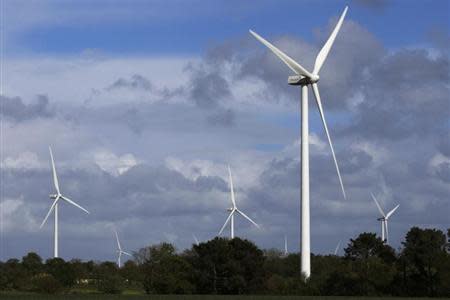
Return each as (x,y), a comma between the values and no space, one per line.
(248,218)
(378,205)
(73,203)
(117,239)
(391,212)
(55,177)
(337,248)
(195,239)
(322,116)
(292,64)
(49,211)
(322,56)
(126,253)
(233,200)
(226,222)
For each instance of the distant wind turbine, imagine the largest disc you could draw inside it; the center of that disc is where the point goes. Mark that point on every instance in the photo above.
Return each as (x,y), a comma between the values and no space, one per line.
(286,253)
(119,250)
(234,210)
(54,207)
(304,78)
(384,220)
(337,248)
(195,240)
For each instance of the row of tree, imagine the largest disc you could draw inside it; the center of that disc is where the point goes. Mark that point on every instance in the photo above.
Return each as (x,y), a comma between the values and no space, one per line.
(223,266)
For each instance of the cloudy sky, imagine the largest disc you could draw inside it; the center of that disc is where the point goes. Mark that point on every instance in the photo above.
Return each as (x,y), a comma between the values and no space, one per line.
(145,103)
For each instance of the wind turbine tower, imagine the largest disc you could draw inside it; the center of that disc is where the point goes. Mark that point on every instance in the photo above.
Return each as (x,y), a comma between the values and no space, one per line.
(304,78)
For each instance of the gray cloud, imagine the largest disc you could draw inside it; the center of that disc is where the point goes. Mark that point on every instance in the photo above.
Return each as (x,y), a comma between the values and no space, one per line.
(405,94)
(14,108)
(135,82)
(208,88)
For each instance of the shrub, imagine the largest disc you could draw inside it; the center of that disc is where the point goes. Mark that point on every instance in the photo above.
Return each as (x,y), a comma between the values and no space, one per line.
(111,284)
(45,283)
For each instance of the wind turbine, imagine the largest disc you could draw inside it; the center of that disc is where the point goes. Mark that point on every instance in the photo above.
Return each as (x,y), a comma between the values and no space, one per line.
(337,248)
(305,78)
(384,220)
(54,207)
(197,242)
(234,210)
(286,253)
(119,249)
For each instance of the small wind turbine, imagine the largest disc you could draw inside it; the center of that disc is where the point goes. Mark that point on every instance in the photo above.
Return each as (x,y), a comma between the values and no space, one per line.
(56,197)
(234,209)
(305,78)
(197,242)
(337,248)
(119,249)
(384,220)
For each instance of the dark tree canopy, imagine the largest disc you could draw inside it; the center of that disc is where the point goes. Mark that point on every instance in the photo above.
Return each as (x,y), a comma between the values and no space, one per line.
(223,266)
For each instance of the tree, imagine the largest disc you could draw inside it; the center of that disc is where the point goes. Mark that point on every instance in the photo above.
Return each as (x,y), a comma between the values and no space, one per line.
(108,279)
(15,275)
(227,267)
(424,262)
(32,263)
(367,245)
(373,263)
(164,271)
(131,273)
(45,283)
(61,271)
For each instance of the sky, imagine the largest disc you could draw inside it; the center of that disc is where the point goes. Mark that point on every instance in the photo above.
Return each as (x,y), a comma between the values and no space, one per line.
(146,103)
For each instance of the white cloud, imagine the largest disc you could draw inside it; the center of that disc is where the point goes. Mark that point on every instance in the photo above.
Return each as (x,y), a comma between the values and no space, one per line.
(24,161)
(75,79)
(196,168)
(114,164)
(16,216)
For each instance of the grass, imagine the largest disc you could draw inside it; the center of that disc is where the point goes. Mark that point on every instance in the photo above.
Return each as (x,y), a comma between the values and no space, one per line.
(24,296)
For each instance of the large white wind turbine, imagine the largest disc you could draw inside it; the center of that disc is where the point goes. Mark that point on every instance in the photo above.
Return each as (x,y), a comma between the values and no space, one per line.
(234,210)
(305,78)
(119,250)
(384,220)
(57,197)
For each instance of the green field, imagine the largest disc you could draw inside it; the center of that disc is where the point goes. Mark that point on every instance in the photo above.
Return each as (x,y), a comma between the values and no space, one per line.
(183,297)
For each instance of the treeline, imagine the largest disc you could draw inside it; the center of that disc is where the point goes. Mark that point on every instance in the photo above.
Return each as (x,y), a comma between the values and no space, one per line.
(222,266)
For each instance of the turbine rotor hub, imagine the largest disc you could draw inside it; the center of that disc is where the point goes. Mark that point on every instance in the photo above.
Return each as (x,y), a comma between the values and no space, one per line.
(314,79)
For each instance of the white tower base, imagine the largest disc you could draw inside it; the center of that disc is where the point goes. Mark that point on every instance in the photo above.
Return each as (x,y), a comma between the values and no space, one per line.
(305,219)
(55,254)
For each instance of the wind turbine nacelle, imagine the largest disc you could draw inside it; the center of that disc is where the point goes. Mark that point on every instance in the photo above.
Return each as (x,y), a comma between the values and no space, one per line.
(298,80)
(230,209)
(53,196)
(302,80)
